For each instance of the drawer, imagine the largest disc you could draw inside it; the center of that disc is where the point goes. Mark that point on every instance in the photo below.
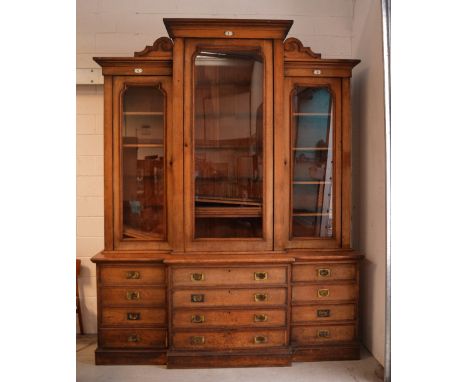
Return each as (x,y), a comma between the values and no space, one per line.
(133,316)
(229,276)
(313,313)
(246,317)
(228,297)
(323,272)
(229,339)
(135,295)
(132,275)
(132,338)
(309,335)
(325,292)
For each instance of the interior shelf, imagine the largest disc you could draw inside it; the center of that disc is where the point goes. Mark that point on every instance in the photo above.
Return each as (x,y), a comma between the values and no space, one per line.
(143,145)
(311,182)
(311,114)
(311,148)
(220,200)
(143,113)
(227,212)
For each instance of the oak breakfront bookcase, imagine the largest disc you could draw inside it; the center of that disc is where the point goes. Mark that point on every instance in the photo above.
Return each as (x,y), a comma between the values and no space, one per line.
(227,201)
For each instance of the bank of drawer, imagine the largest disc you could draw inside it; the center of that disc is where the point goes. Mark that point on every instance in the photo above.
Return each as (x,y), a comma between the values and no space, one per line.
(232,318)
(228,297)
(132,338)
(324,292)
(133,295)
(309,335)
(312,313)
(229,276)
(132,275)
(323,272)
(133,316)
(229,339)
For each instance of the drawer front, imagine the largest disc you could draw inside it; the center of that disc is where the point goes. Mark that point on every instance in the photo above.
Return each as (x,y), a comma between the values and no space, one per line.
(309,335)
(132,338)
(323,272)
(229,340)
(229,276)
(133,316)
(228,297)
(233,318)
(313,313)
(135,295)
(133,275)
(326,292)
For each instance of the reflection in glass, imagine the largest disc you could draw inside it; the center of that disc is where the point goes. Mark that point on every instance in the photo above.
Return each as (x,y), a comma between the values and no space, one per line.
(312,160)
(143,193)
(228,132)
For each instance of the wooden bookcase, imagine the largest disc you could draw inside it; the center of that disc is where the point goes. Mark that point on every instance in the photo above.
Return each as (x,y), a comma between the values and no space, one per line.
(227,176)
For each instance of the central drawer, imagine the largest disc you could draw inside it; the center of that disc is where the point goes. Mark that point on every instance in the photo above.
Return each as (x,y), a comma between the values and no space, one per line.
(229,297)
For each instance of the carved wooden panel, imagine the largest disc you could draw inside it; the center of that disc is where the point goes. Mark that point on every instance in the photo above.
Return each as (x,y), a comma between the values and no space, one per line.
(294,50)
(162,48)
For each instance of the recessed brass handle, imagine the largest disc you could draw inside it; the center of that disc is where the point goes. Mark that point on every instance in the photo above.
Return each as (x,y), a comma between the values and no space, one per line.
(260,297)
(323,312)
(323,333)
(133,275)
(197,340)
(197,277)
(198,318)
(324,272)
(133,338)
(260,339)
(132,295)
(323,292)
(133,316)
(197,298)
(260,317)
(260,276)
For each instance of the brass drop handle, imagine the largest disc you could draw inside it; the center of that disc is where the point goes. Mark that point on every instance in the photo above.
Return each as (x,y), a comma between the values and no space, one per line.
(132,295)
(133,316)
(260,276)
(260,339)
(323,293)
(323,312)
(197,298)
(324,272)
(260,317)
(198,318)
(133,275)
(197,277)
(323,333)
(260,297)
(197,340)
(133,338)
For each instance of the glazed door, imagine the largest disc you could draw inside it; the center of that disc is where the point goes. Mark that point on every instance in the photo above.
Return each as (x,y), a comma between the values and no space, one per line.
(313,116)
(141,121)
(228,145)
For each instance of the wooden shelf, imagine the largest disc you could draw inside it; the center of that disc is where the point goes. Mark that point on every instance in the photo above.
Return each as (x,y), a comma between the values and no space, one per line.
(227,212)
(220,200)
(136,234)
(311,182)
(205,147)
(142,145)
(311,114)
(311,148)
(312,214)
(143,113)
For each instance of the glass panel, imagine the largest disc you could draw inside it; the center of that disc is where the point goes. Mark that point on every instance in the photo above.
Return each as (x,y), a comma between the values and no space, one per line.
(143,163)
(228,131)
(312,159)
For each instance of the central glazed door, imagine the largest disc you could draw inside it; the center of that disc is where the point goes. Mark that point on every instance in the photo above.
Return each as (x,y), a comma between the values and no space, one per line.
(228,147)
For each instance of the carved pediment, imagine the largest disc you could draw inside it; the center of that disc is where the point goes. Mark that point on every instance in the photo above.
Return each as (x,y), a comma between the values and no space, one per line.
(162,48)
(295,50)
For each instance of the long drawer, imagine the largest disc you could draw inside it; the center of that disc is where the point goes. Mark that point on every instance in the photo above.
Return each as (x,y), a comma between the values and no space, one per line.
(229,339)
(229,297)
(323,272)
(324,292)
(132,275)
(229,276)
(313,313)
(133,316)
(133,295)
(132,338)
(310,335)
(201,318)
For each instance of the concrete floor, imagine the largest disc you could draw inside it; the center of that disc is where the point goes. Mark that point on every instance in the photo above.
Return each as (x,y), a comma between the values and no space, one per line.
(363,370)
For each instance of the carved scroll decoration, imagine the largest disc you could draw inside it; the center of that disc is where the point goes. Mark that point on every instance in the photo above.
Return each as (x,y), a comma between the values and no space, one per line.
(162,48)
(295,50)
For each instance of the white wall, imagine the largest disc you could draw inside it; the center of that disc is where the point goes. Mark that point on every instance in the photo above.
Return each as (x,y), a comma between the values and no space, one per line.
(369,227)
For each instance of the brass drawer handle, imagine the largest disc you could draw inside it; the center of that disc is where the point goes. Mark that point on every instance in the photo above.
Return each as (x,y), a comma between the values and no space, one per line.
(323,333)
(133,316)
(324,272)
(133,338)
(197,277)
(132,295)
(260,297)
(260,276)
(323,312)
(133,275)
(260,339)
(260,317)
(198,318)
(323,292)
(197,298)
(197,340)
